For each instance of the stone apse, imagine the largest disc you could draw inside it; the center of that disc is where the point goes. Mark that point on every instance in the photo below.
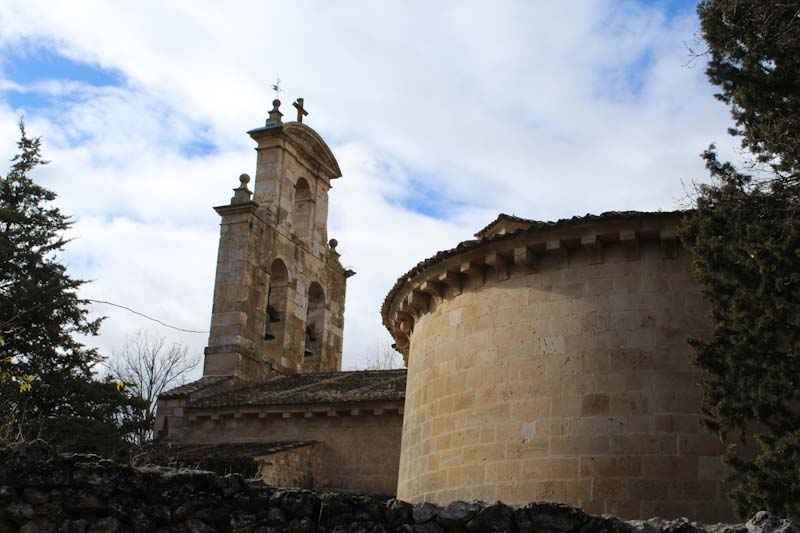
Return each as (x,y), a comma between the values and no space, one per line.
(548,361)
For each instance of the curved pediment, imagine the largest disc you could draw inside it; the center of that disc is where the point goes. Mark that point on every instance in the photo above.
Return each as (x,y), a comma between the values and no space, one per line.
(312,142)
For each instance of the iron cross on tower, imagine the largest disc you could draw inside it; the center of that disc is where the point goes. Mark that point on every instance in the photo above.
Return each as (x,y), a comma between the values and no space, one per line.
(301,112)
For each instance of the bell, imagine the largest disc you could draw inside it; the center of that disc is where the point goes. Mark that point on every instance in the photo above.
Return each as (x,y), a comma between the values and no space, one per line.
(272,316)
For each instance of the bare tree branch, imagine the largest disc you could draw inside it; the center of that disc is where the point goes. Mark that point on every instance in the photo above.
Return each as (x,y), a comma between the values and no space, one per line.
(148,365)
(381,357)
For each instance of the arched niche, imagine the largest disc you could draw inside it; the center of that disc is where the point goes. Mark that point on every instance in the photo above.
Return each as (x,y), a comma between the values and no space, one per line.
(315,320)
(277,299)
(303,209)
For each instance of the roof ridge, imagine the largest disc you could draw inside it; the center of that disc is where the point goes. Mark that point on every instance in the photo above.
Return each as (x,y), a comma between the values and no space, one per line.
(188,388)
(307,386)
(369,386)
(315,387)
(504,216)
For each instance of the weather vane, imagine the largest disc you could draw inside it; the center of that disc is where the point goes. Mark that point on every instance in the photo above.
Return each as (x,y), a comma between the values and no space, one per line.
(277,88)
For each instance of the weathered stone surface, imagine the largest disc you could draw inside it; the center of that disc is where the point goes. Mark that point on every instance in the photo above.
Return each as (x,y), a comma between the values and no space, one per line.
(101,476)
(40,525)
(425,512)
(765,522)
(159,513)
(277,320)
(299,504)
(7,494)
(727,528)
(679,525)
(494,517)
(277,274)
(242,519)
(216,515)
(165,501)
(35,497)
(276,517)
(457,514)
(548,362)
(605,524)
(398,512)
(36,465)
(82,501)
(428,527)
(549,518)
(230,484)
(194,525)
(19,512)
(73,526)
(107,524)
(141,523)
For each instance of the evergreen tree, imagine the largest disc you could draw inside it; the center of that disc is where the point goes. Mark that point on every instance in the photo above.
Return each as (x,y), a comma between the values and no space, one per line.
(754,58)
(744,237)
(47,386)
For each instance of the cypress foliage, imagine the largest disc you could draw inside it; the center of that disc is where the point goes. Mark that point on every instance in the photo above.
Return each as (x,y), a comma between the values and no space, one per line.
(47,386)
(744,237)
(754,59)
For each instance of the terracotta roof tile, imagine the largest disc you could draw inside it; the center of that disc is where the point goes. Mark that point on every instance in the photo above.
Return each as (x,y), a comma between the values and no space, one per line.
(194,386)
(319,387)
(504,217)
(534,227)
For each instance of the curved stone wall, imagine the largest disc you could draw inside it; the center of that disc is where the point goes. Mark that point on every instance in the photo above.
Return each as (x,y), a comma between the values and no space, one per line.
(559,372)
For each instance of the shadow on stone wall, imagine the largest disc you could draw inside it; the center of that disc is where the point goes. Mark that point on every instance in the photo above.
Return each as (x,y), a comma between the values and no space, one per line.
(42,491)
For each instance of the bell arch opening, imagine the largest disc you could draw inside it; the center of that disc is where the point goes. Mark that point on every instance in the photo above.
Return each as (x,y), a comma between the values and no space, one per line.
(277,300)
(315,321)
(303,209)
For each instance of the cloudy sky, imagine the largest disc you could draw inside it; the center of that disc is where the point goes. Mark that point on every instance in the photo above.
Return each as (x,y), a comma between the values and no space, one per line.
(441,114)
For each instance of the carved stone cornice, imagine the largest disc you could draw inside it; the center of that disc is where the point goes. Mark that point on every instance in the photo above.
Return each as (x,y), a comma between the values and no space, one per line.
(473,264)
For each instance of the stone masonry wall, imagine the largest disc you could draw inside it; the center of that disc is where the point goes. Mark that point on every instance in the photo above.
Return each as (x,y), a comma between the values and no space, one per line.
(358,451)
(569,383)
(295,468)
(41,491)
(261,240)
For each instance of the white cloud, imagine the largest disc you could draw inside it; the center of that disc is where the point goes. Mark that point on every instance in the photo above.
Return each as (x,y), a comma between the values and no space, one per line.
(541,109)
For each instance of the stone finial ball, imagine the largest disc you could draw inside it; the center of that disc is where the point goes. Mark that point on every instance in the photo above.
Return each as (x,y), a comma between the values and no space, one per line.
(276,103)
(244,179)
(333,243)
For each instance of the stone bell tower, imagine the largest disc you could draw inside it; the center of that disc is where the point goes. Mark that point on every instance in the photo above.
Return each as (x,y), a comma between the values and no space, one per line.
(280,288)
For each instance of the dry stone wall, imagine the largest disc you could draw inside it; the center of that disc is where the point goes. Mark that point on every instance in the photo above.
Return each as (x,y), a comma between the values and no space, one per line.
(41,491)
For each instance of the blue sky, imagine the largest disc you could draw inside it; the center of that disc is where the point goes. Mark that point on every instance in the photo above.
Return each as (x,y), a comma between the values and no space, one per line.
(440,118)
(30,66)
(32,62)
(36,63)
(671,8)
(32,70)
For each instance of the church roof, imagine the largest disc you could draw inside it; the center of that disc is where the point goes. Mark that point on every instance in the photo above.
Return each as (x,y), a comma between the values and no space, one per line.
(318,387)
(514,221)
(529,227)
(194,386)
